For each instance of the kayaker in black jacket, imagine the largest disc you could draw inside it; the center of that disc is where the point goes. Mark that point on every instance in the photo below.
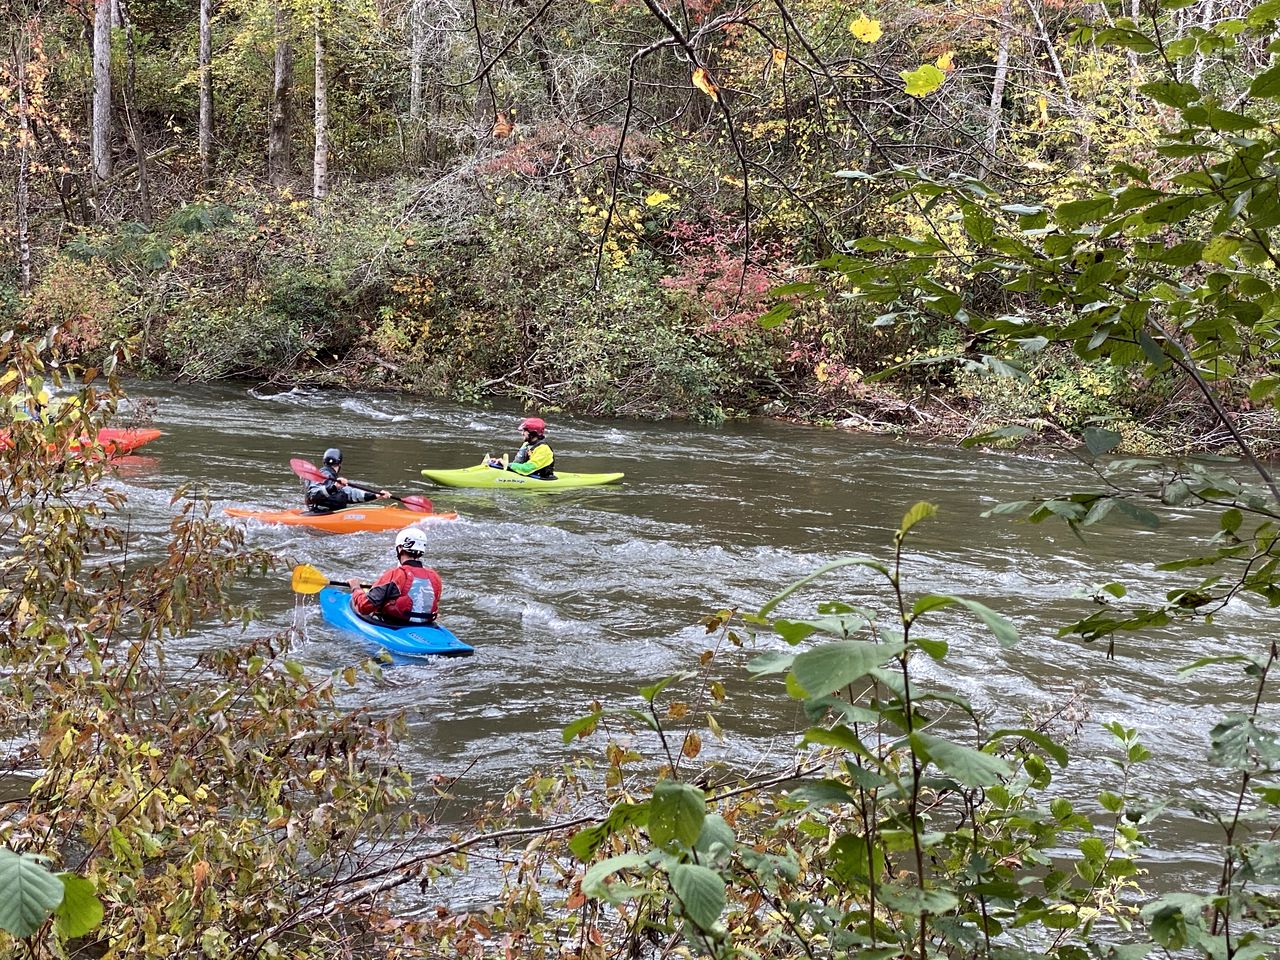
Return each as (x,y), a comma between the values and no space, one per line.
(332,493)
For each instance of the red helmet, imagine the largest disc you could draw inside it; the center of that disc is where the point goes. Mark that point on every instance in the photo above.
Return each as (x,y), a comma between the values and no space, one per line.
(534,424)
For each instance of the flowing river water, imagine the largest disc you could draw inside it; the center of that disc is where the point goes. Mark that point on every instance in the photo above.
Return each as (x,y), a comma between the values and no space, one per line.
(582,596)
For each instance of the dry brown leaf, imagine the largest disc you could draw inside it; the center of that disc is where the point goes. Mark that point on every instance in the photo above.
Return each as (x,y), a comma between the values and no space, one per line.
(702,80)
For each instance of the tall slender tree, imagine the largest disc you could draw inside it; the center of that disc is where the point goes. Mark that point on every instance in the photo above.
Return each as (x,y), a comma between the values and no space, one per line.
(22,194)
(100,138)
(320,160)
(131,118)
(278,135)
(206,91)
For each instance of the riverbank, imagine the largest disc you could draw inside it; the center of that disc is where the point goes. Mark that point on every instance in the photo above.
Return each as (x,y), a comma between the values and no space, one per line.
(481,291)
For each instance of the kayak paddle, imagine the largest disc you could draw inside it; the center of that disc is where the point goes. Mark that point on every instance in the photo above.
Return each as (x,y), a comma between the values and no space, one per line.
(309,471)
(307,579)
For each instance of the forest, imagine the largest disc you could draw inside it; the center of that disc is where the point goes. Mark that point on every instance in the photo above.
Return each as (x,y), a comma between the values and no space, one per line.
(587,205)
(1001,223)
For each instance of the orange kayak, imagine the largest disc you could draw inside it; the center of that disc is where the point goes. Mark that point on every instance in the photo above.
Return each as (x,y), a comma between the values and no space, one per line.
(350,520)
(116,443)
(110,442)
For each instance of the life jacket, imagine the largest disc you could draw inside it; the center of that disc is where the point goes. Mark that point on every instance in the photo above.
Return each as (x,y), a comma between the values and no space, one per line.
(408,593)
(424,593)
(526,451)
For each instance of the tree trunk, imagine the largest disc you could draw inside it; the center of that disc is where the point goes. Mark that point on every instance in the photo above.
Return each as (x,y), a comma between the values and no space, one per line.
(22,195)
(278,160)
(320,166)
(1206,21)
(131,118)
(100,136)
(206,91)
(1068,100)
(417,53)
(997,86)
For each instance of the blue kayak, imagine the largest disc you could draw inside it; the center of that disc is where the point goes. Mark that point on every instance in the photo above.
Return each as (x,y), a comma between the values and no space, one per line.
(415,640)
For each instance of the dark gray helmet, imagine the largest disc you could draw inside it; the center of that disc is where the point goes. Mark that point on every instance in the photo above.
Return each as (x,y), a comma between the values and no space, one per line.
(332,456)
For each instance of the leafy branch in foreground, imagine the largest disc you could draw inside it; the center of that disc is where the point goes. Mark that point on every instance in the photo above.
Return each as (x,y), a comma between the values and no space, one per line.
(910,825)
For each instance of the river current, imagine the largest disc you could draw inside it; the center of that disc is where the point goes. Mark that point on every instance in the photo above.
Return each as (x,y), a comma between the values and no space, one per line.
(583,596)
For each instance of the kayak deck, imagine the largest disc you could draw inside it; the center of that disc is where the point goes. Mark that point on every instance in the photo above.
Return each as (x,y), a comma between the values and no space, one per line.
(415,640)
(350,520)
(484,477)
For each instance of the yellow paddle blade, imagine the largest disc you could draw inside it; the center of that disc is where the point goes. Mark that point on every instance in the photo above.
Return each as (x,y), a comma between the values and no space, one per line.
(307,579)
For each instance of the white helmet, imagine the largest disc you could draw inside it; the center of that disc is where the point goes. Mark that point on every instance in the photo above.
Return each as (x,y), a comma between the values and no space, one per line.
(412,540)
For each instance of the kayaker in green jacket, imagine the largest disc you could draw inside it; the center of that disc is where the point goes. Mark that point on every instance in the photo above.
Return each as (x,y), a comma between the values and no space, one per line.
(535,457)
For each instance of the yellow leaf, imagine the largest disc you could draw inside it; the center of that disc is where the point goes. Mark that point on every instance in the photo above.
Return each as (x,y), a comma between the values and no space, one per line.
(657,199)
(779,56)
(866,29)
(944,62)
(1043,104)
(702,80)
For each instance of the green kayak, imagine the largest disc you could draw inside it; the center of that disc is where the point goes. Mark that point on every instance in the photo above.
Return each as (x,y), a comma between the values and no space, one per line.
(489,478)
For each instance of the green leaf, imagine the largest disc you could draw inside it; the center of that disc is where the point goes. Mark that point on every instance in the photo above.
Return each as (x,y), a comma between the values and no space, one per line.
(769,663)
(1004,630)
(937,649)
(822,792)
(1100,441)
(971,767)
(778,314)
(1171,93)
(915,901)
(652,691)
(923,80)
(1264,13)
(831,666)
(868,562)
(676,813)
(1076,212)
(715,830)
(1022,209)
(593,884)
(1139,515)
(920,511)
(701,892)
(582,726)
(586,842)
(1054,750)
(80,910)
(28,893)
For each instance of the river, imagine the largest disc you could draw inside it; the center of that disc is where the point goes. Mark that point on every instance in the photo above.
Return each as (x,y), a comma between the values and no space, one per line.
(584,596)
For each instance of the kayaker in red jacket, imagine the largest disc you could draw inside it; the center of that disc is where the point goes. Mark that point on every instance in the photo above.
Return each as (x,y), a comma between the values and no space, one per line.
(408,592)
